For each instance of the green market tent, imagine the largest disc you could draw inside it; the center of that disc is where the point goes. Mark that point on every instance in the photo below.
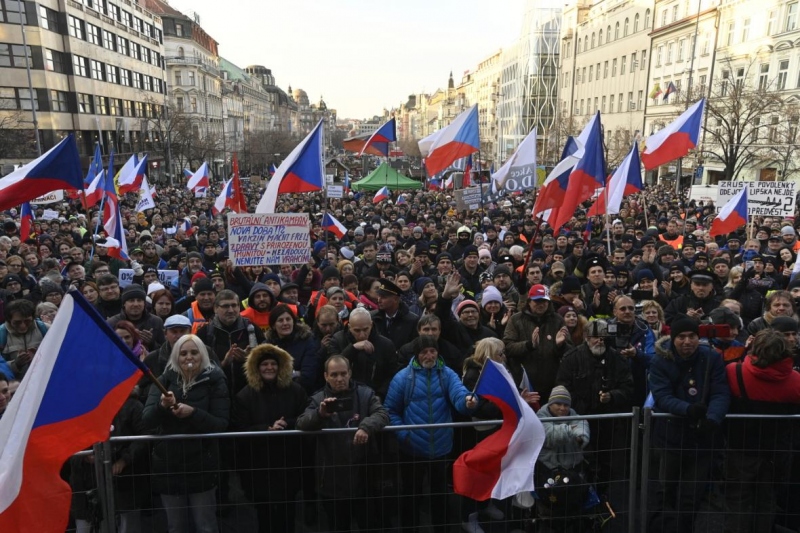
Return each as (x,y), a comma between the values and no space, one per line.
(385,176)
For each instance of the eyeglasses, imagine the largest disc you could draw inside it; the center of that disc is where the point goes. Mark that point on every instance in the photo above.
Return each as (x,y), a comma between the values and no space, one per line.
(626,308)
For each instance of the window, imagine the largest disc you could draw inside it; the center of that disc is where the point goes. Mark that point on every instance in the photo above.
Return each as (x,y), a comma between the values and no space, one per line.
(591,72)
(179,30)
(148,110)
(644,60)
(155,58)
(745,30)
(703,82)
(85,104)
(114,106)
(603,109)
(26,101)
(158,85)
(664,17)
(122,45)
(639,97)
(14,55)
(8,98)
(605,70)
(763,76)
(659,54)
(619,104)
(137,80)
(633,61)
(600,37)
(681,46)
(772,22)
(179,103)
(674,13)
(54,61)
(613,68)
(58,101)
(127,108)
(109,41)
(622,65)
(79,66)
(595,104)
(592,39)
(113,12)
(625,29)
(773,129)
(575,107)
(706,45)
(10,12)
(125,77)
(178,78)
(75,27)
(583,75)
(616,31)
(135,51)
(608,34)
(147,29)
(48,18)
(127,19)
(670,49)
(611,104)
(739,78)
(102,105)
(111,74)
(585,43)
(92,33)
(193,102)
(191,79)
(636,23)
(783,72)
(148,83)
(647,19)
(180,49)
(145,54)
(97,70)
(137,24)
(723,88)
(139,107)
(791,16)
(730,30)
(631,104)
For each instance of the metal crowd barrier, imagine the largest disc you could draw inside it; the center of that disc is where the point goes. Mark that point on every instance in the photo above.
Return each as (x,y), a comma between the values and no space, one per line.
(627,482)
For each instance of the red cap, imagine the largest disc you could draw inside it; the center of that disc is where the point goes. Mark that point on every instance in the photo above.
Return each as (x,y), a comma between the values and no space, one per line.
(199,275)
(539,292)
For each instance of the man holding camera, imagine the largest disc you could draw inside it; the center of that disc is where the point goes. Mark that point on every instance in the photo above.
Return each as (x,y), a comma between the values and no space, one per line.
(687,380)
(635,341)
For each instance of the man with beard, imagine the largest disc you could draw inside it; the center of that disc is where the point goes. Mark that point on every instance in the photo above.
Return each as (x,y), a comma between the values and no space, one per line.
(536,338)
(260,302)
(198,306)
(635,342)
(503,283)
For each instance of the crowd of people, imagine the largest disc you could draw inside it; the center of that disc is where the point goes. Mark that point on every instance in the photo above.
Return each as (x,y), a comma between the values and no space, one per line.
(391,324)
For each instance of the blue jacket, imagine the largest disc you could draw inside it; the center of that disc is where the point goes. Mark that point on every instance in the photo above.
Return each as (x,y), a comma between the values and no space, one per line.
(420,396)
(677,383)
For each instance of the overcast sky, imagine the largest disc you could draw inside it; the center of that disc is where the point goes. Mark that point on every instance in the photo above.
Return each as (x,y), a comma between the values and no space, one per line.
(360,55)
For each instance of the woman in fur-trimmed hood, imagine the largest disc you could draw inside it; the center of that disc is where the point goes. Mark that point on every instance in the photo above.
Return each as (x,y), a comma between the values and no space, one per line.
(271,401)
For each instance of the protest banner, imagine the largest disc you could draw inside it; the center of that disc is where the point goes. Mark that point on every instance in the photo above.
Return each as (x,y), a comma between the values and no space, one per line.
(469,198)
(49,198)
(268,239)
(334,191)
(164,276)
(49,214)
(764,198)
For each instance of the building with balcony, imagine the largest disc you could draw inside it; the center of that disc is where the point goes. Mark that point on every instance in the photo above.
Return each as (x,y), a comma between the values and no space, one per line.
(97,70)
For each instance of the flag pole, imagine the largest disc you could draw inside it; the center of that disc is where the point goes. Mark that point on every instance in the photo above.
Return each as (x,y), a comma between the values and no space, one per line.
(480,179)
(608,229)
(644,203)
(533,237)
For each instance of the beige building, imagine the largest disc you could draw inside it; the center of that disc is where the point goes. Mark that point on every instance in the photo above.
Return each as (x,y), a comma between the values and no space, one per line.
(604,61)
(486,83)
(97,69)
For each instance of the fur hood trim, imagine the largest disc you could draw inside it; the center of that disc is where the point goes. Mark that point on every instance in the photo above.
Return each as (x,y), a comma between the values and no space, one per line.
(301,332)
(664,348)
(258,354)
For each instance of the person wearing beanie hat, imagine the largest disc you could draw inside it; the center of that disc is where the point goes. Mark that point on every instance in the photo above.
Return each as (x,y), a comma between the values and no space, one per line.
(687,380)
(731,349)
(134,310)
(471,271)
(490,294)
(561,395)
(564,442)
(420,284)
(330,277)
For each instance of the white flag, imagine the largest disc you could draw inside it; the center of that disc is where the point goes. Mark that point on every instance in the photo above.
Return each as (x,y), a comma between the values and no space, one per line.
(145,197)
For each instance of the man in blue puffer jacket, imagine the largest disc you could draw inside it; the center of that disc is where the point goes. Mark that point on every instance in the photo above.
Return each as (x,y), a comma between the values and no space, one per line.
(426,392)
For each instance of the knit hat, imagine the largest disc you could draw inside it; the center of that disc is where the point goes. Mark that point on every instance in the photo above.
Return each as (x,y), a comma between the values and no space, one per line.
(470,250)
(643,274)
(464,304)
(272,277)
(560,394)
(319,246)
(419,284)
(491,294)
(784,324)
(483,252)
(330,272)
(199,275)
(571,285)
(564,309)
(194,255)
(133,291)
(684,324)
(202,285)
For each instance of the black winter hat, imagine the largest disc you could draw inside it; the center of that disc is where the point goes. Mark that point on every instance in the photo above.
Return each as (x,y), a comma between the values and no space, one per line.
(684,324)
(133,291)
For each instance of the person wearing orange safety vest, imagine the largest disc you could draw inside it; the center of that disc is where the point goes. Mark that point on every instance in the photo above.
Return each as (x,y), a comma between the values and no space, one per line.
(259,303)
(202,308)
(672,237)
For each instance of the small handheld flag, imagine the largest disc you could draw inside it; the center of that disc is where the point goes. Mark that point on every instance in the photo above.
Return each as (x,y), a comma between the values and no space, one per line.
(330,223)
(676,139)
(381,195)
(26,221)
(732,216)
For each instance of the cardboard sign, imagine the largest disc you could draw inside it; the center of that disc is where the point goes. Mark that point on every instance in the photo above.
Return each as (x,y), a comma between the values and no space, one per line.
(334,191)
(764,198)
(268,239)
(164,276)
(469,198)
(49,214)
(49,198)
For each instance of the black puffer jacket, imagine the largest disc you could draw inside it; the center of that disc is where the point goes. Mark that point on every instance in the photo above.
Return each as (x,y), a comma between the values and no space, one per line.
(375,369)
(586,375)
(188,466)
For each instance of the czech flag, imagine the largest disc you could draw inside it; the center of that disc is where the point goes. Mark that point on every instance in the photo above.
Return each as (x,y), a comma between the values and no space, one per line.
(115,242)
(552,192)
(502,464)
(434,184)
(381,195)
(130,176)
(59,168)
(66,403)
(330,223)
(199,178)
(187,173)
(302,171)
(732,216)
(26,220)
(222,199)
(95,166)
(455,141)
(400,200)
(626,180)
(466,180)
(377,143)
(272,169)
(94,192)
(676,139)
(186,226)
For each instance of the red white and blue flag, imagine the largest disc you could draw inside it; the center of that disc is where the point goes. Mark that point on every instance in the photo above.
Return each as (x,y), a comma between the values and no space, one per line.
(401,199)
(381,195)
(222,199)
(732,216)
(115,240)
(66,403)
(59,168)
(626,180)
(378,142)
(459,139)
(94,192)
(329,223)
(554,188)
(130,176)
(502,464)
(25,220)
(199,178)
(466,181)
(676,139)
(272,169)
(302,171)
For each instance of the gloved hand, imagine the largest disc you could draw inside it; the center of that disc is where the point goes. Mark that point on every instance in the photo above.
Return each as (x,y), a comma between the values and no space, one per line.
(696,412)
(137,268)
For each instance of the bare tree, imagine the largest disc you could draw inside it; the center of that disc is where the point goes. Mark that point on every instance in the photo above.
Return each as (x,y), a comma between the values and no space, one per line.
(783,142)
(16,134)
(738,118)
(410,147)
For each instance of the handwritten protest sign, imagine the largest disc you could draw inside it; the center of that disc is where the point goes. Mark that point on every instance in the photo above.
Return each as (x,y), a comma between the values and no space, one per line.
(765,198)
(164,276)
(469,198)
(49,198)
(268,239)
